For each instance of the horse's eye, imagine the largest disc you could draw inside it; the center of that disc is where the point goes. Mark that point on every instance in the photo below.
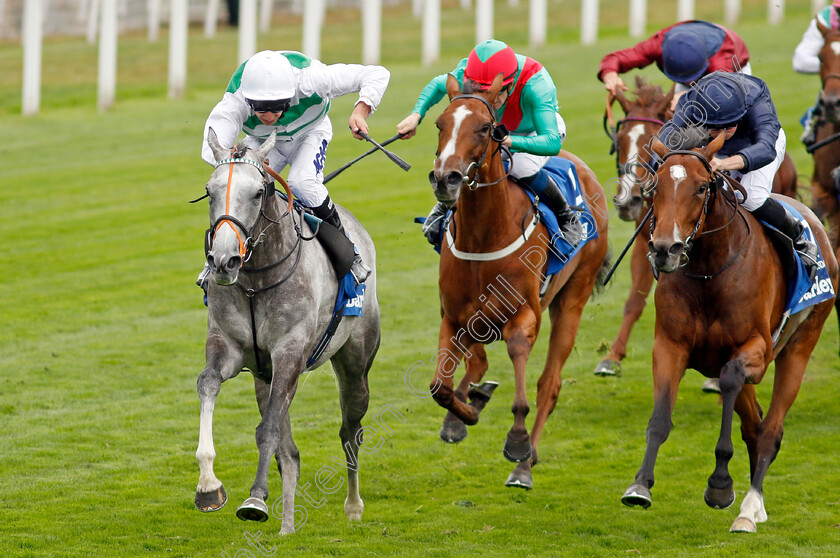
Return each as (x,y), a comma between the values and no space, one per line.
(702,188)
(485,128)
(259,194)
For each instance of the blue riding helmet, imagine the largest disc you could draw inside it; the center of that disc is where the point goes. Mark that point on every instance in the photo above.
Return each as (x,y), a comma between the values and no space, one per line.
(684,57)
(719,100)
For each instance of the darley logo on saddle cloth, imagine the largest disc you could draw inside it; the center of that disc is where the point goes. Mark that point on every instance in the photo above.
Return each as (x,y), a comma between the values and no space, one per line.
(801,292)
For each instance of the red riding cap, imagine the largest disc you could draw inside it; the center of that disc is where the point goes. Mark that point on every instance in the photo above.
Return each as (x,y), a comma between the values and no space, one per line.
(489,59)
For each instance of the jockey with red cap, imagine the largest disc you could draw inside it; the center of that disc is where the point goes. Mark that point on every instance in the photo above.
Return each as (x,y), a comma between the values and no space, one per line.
(806,60)
(527,106)
(685,52)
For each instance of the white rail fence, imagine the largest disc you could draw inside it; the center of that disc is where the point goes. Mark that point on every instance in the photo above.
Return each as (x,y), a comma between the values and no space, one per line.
(30,20)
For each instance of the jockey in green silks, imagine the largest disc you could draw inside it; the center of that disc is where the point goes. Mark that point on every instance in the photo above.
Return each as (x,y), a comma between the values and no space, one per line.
(527,106)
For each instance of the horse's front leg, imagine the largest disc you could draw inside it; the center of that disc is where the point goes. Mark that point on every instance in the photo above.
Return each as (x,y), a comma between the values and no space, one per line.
(451,351)
(520,335)
(223,362)
(669,362)
(453,429)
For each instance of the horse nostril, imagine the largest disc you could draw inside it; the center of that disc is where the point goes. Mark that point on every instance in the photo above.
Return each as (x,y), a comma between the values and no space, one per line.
(636,200)
(454,178)
(234,263)
(210,262)
(676,249)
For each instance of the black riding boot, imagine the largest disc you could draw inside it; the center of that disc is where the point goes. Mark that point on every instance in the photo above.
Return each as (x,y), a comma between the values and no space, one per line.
(327,213)
(777,215)
(434,223)
(544,186)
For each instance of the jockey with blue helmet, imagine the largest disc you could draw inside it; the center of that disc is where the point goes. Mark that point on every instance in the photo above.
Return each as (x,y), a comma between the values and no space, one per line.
(685,52)
(527,106)
(806,60)
(739,106)
(288,94)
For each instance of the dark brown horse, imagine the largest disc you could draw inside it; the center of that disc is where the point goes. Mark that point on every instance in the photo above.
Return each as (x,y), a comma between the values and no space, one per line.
(826,152)
(644,115)
(713,257)
(491,274)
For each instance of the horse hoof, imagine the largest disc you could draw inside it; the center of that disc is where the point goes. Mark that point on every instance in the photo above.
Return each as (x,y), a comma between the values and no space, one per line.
(743,525)
(719,498)
(253,509)
(712,385)
(608,367)
(453,431)
(517,451)
(520,478)
(211,501)
(637,495)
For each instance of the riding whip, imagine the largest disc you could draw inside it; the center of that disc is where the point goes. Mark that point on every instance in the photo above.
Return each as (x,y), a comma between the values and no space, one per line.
(402,164)
(629,243)
(337,171)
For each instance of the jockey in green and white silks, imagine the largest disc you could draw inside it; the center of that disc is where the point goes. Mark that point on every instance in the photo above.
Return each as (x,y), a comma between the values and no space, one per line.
(806,60)
(288,94)
(527,105)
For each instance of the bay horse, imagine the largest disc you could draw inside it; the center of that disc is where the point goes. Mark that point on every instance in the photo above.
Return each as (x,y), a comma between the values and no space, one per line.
(631,137)
(489,288)
(269,305)
(713,257)
(825,182)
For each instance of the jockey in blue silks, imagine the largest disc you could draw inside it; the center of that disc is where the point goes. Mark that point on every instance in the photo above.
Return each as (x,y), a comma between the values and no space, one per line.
(527,106)
(740,107)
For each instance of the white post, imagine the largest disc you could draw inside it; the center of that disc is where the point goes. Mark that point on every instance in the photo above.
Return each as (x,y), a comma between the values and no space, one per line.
(107,56)
(465,4)
(265,15)
(513,3)
(177,48)
(483,20)
(247,29)
(33,33)
(211,18)
(312,20)
(93,21)
(417,8)
(817,5)
(589,22)
(371,30)
(537,17)
(775,11)
(638,17)
(153,22)
(731,12)
(431,31)
(685,10)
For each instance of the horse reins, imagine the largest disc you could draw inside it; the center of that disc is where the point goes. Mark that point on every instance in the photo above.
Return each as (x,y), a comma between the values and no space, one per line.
(832,138)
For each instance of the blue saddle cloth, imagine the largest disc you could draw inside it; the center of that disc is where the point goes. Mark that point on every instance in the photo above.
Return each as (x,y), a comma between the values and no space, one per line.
(801,292)
(564,174)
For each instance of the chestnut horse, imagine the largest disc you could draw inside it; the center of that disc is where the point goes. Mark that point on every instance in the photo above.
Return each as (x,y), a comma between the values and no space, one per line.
(489,287)
(713,257)
(633,134)
(826,152)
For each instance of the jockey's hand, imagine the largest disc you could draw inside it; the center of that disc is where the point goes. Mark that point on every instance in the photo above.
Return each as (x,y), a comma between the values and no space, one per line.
(612,82)
(357,119)
(408,127)
(734,162)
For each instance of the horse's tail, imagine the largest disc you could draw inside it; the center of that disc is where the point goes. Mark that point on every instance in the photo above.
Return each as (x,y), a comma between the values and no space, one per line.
(600,284)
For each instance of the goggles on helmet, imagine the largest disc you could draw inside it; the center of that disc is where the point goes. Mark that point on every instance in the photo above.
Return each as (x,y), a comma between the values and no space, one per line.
(281,105)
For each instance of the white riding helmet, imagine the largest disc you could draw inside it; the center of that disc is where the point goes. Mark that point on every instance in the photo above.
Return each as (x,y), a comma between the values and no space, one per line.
(268,76)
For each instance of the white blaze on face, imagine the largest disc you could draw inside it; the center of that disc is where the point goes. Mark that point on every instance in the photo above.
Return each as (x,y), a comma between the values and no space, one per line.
(678,174)
(835,46)
(628,179)
(458,118)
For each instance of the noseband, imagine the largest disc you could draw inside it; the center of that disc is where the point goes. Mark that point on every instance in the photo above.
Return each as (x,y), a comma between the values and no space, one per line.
(498,133)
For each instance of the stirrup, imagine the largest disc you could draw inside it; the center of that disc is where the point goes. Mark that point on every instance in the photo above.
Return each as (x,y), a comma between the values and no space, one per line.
(203,277)
(359,270)
(570,228)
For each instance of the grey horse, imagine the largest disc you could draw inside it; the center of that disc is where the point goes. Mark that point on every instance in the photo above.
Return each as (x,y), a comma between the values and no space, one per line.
(269,275)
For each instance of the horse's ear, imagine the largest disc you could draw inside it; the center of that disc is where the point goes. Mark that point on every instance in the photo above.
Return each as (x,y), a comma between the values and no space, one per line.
(495,87)
(659,148)
(714,146)
(640,81)
(665,104)
(622,100)
(219,152)
(823,29)
(261,154)
(453,88)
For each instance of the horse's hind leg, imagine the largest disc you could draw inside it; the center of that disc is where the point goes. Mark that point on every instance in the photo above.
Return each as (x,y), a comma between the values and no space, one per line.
(210,494)
(453,429)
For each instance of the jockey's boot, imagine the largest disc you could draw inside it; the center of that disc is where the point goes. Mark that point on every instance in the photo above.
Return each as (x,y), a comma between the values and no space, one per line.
(812,117)
(328,213)
(549,193)
(203,277)
(777,215)
(433,225)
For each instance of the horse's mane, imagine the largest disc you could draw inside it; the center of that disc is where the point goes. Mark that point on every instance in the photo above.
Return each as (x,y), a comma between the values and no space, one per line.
(647,93)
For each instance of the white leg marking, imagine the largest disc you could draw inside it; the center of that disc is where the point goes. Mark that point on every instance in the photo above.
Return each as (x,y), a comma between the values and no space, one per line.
(206,453)
(752,507)
(458,116)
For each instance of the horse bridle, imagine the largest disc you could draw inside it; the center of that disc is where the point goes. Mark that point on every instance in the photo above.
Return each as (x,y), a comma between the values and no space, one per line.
(714,184)
(498,133)
(834,137)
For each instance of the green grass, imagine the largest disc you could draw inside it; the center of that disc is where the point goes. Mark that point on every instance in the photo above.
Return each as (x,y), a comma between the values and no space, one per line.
(103,334)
